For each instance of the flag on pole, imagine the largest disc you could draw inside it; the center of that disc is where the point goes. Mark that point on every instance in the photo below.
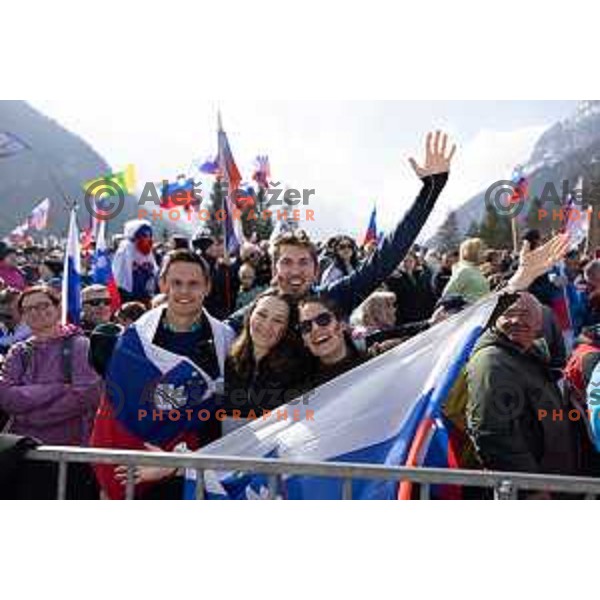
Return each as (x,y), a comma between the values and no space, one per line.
(364,416)
(210,167)
(102,268)
(262,172)
(232,178)
(179,195)
(371,234)
(38,219)
(124,180)
(71,282)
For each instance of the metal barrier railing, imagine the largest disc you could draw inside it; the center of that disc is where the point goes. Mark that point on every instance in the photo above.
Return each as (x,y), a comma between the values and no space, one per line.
(505,485)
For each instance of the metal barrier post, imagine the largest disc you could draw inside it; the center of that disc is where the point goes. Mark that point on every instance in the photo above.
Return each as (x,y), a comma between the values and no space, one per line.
(425,492)
(130,487)
(347,489)
(505,490)
(273,487)
(62,480)
(200,495)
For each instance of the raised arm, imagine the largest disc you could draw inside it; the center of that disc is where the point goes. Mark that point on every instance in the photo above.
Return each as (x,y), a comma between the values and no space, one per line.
(349,292)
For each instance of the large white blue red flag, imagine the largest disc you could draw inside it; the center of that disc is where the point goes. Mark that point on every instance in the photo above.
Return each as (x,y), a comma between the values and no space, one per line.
(370,415)
(71,282)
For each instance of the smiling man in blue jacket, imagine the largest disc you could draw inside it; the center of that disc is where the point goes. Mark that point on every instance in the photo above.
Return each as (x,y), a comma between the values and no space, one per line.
(295,259)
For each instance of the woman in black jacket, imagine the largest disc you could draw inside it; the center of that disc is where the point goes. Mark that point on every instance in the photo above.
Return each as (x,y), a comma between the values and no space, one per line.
(266,362)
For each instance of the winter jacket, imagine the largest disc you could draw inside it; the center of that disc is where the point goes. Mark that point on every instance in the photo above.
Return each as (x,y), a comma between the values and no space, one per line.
(12,277)
(415,298)
(467,281)
(511,410)
(49,390)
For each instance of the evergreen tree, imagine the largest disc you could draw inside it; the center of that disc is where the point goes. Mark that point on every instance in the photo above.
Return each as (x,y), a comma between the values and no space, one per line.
(448,237)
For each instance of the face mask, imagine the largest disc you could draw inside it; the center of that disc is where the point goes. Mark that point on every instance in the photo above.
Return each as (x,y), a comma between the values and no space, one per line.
(144,245)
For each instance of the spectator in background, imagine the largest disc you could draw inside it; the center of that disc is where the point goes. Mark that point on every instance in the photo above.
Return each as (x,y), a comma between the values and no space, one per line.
(129,313)
(467,279)
(221,300)
(377,314)
(134,266)
(412,287)
(444,274)
(345,260)
(96,305)
(9,272)
(12,329)
(50,268)
(248,289)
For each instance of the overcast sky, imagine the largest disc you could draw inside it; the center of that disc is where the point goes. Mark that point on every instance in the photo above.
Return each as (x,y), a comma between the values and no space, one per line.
(352,153)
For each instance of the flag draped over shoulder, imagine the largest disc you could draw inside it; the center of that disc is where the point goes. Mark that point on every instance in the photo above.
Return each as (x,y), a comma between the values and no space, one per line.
(102,268)
(71,282)
(369,415)
(153,395)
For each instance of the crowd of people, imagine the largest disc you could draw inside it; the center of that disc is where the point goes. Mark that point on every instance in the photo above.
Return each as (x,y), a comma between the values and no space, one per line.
(239,335)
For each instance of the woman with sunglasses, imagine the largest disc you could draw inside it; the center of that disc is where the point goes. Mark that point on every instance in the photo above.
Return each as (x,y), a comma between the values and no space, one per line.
(266,363)
(345,260)
(326,337)
(49,390)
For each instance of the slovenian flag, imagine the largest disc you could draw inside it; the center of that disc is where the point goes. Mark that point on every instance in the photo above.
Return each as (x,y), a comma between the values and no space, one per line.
(154,395)
(231,175)
(179,195)
(371,235)
(71,282)
(102,268)
(370,415)
(210,167)
(38,219)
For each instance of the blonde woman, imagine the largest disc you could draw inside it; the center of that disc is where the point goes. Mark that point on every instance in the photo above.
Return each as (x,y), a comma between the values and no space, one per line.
(467,279)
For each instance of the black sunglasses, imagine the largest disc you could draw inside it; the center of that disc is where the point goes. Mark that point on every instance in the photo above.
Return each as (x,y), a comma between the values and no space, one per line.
(97,302)
(322,320)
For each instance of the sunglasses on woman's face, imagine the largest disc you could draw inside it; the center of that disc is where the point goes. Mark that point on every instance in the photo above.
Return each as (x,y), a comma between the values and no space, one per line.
(97,302)
(345,247)
(322,320)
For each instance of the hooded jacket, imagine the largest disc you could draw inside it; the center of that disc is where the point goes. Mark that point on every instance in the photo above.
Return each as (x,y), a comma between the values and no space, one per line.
(511,410)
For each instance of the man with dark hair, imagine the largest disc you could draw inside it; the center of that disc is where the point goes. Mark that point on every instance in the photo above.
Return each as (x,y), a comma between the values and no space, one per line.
(162,379)
(295,257)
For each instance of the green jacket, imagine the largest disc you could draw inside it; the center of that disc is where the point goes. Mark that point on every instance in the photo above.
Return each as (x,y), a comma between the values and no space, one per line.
(467,281)
(517,416)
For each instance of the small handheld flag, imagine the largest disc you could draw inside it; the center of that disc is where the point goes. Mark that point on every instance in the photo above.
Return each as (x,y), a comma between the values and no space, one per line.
(71,283)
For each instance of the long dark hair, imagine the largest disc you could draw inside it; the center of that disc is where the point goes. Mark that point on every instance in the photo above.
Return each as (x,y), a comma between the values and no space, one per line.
(279,357)
(339,263)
